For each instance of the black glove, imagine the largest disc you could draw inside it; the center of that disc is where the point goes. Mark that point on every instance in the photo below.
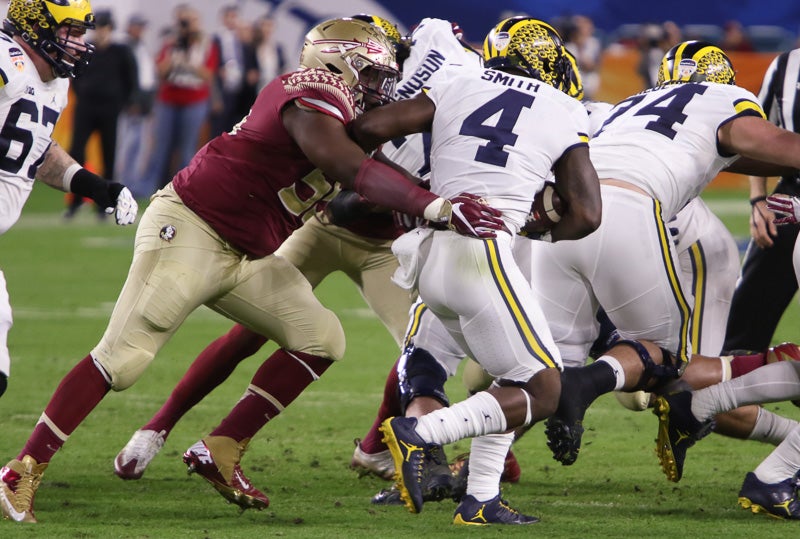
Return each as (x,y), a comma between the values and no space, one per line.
(346,207)
(3,383)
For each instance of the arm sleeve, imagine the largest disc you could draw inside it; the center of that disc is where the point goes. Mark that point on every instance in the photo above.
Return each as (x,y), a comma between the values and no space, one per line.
(385,186)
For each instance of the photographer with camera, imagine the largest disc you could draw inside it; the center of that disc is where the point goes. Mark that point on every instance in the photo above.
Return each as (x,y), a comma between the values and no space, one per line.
(185,67)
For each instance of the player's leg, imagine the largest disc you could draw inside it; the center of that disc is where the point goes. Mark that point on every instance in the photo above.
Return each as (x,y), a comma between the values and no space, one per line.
(166,282)
(772,487)
(499,323)
(274,299)
(6,322)
(685,417)
(305,249)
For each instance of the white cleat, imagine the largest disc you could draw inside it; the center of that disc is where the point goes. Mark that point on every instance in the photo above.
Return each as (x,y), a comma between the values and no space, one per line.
(137,454)
(379,464)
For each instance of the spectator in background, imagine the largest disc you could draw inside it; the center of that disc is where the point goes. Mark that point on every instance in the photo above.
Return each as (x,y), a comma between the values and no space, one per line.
(131,152)
(229,76)
(103,90)
(271,61)
(735,38)
(654,41)
(185,67)
(248,91)
(581,41)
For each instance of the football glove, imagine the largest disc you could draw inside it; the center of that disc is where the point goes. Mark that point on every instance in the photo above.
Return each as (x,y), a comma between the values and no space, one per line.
(787,207)
(470,215)
(120,202)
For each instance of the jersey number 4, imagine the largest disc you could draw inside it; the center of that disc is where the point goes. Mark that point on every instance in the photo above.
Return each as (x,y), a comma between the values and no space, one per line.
(16,141)
(509,104)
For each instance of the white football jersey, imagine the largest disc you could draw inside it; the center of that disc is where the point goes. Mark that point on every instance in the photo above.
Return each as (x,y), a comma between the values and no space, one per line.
(664,140)
(433,46)
(498,136)
(29,109)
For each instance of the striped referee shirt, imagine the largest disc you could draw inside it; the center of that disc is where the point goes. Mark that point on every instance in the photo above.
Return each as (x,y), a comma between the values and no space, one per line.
(779,91)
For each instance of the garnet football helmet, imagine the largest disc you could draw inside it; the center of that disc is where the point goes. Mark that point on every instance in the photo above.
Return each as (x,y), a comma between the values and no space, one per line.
(38,23)
(696,61)
(531,47)
(360,53)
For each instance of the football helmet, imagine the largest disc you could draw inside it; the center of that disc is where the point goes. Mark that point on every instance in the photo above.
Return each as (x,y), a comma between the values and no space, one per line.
(696,61)
(360,53)
(531,47)
(38,23)
(402,47)
(575,88)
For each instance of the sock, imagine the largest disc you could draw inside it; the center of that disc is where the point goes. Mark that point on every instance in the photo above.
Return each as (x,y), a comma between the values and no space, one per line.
(619,372)
(782,463)
(580,386)
(478,415)
(212,367)
(390,406)
(772,383)
(77,395)
(741,365)
(487,457)
(771,428)
(279,380)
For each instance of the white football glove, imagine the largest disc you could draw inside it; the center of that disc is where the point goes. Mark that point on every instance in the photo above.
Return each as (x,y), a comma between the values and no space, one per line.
(126,209)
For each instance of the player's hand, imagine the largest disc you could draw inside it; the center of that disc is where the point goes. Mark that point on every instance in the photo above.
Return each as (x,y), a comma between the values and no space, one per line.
(121,203)
(347,207)
(786,207)
(471,216)
(762,224)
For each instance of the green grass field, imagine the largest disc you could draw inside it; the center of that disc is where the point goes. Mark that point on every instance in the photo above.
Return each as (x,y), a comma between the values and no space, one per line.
(63,280)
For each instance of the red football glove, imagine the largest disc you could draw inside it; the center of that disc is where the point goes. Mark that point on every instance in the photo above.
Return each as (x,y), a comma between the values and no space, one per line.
(471,216)
(786,206)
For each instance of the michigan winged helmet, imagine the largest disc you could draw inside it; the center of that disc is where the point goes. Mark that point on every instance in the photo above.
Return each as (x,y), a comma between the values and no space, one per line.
(696,61)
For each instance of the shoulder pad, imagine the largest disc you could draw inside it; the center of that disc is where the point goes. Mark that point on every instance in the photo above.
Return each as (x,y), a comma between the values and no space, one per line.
(320,84)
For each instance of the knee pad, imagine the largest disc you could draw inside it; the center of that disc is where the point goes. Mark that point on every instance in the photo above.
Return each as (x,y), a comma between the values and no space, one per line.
(661,375)
(420,375)
(124,366)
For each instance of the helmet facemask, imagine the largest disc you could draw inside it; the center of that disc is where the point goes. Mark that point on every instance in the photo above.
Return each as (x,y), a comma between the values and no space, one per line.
(51,28)
(362,54)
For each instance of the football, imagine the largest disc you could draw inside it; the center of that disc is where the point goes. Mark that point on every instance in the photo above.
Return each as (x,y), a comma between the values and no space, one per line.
(546,210)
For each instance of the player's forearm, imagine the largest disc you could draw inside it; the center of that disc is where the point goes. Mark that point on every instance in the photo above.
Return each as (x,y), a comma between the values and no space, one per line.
(52,169)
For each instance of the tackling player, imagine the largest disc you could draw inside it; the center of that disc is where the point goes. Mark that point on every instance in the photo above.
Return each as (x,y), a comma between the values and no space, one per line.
(206,241)
(42,47)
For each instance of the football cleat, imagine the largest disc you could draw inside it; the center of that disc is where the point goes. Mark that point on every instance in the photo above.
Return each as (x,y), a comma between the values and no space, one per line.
(678,430)
(379,464)
(18,483)
(137,454)
(471,512)
(216,459)
(459,468)
(564,438)
(779,500)
(388,496)
(409,453)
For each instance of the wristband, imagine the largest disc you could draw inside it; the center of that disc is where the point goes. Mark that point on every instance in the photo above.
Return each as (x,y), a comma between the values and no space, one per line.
(756,200)
(87,184)
(66,179)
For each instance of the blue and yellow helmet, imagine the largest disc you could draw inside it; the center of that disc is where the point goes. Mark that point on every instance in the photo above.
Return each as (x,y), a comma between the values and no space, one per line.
(530,46)
(696,61)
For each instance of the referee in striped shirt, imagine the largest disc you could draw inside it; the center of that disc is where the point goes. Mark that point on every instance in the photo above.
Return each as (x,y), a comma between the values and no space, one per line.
(767,282)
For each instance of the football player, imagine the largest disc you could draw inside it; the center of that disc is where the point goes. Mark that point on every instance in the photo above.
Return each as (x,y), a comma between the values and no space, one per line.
(361,248)
(42,47)
(203,241)
(654,153)
(484,301)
